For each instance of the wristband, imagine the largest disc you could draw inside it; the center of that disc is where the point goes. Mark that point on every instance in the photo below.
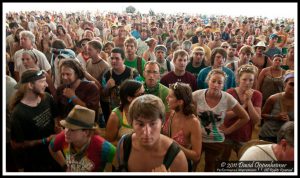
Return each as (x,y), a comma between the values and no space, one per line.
(71,99)
(44,141)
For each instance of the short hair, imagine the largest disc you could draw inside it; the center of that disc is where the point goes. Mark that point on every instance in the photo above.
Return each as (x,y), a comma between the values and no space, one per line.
(96,45)
(59,44)
(73,64)
(29,35)
(215,52)
(120,51)
(286,132)
(246,49)
(183,91)
(187,44)
(152,63)
(128,88)
(178,53)
(130,40)
(109,43)
(216,71)
(148,106)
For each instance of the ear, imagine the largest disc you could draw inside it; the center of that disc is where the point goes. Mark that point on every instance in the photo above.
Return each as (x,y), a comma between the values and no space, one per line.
(283,144)
(129,98)
(30,85)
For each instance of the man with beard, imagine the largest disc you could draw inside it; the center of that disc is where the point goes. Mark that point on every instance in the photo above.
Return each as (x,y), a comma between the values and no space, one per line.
(75,90)
(231,51)
(32,126)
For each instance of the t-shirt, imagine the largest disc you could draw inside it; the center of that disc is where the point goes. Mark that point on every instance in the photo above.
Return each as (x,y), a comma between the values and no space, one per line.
(134,64)
(229,82)
(187,78)
(42,61)
(244,133)
(33,123)
(86,92)
(195,70)
(97,154)
(256,153)
(212,118)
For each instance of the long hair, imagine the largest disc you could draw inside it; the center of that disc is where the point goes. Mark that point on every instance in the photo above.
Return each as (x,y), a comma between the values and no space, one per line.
(17,97)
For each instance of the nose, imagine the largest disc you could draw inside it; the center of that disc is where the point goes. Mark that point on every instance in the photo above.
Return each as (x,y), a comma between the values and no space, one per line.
(147,129)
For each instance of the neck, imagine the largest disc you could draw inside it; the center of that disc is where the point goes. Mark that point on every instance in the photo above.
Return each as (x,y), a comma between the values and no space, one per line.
(131,57)
(75,84)
(196,64)
(80,145)
(179,72)
(288,95)
(213,94)
(96,59)
(31,99)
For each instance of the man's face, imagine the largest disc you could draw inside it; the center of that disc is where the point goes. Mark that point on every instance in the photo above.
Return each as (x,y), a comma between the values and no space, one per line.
(181,62)
(92,51)
(152,75)
(130,48)
(231,51)
(68,75)
(39,86)
(147,131)
(25,42)
(160,55)
(219,61)
(198,56)
(116,60)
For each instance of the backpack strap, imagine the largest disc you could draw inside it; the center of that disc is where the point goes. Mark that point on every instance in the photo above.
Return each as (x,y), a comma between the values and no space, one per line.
(131,73)
(232,66)
(139,65)
(168,65)
(265,152)
(126,139)
(172,152)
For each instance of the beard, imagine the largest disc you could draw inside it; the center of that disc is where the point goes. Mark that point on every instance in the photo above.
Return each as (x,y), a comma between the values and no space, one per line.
(39,93)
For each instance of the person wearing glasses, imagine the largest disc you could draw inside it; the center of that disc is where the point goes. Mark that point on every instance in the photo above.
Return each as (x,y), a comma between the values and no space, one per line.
(119,123)
(77,148)
(146,149)
(281,150)
(152,84)
(278,109)
(270,79)
(251,101)
(211,107)
(33,114)
(183,126)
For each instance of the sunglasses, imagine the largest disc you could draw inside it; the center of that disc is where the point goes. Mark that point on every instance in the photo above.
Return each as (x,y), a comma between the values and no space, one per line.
(225,46)
(291,84)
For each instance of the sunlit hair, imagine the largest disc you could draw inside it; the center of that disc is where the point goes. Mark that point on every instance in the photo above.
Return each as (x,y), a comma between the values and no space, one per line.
(96,45)
(183,92)
(148,107)
(131,40)
(247,68)
(246,49)
(151,63)
(286,132)
(179,53)
(29,35)
(215,71)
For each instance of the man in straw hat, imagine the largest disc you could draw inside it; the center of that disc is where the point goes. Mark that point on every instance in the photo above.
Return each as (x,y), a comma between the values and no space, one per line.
(82,149)
(32,123)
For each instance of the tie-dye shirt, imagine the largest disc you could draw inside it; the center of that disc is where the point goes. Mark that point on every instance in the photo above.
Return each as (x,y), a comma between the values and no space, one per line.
(98,153)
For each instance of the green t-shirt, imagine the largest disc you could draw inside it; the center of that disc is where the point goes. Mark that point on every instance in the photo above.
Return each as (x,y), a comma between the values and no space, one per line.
(134,64)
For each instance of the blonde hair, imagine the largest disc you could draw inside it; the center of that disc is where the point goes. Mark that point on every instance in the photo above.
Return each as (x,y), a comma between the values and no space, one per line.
(216,71)
(247,68)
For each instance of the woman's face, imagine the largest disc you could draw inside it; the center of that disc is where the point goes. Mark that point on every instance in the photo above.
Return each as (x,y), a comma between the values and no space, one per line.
(216,82)
(28,61)
(289,86)
(246,80)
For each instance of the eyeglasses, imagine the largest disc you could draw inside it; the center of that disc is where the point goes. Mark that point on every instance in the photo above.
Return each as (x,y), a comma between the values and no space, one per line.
(247,69)
(225,46)
(152,72)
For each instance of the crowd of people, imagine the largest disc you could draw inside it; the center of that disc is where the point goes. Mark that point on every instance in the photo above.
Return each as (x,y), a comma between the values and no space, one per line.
(145,93)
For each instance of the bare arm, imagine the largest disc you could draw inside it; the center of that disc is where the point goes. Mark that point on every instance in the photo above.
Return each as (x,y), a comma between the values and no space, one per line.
(112,128)
(244,118)
(260,79)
